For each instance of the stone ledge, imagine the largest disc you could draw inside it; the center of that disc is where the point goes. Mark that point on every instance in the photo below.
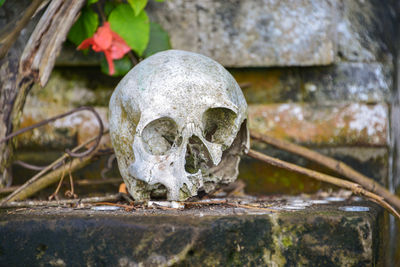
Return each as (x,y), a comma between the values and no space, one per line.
(252,33)
(274,33)
(333,125)
(348,82)
(341,124)
(318,235)
(259,178)
(279,32)
(366,30)
(342,82)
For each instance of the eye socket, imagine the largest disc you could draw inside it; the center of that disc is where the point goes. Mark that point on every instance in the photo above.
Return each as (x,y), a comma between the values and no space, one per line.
(218,124)
(160,135)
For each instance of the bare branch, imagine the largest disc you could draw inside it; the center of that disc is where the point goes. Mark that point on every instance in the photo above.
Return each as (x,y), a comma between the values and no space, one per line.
(45,42)
(58,203)
(38,182)
(11,31)
(332,164)
(356,188)
(44,122)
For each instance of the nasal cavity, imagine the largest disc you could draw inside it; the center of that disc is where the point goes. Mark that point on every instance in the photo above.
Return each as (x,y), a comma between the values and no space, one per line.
(197,156)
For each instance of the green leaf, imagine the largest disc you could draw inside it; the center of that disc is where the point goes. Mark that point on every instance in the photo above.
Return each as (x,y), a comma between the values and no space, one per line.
(159,1)
(135,30)
(137,5)
(121,66)
(84,27)
(89,2)
(2,2)
(159,40)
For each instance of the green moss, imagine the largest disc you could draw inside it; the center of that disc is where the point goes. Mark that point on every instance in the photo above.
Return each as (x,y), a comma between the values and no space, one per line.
(261,178)
(268,85)
(232,241)
(287,241)
(326,240)
(77,87)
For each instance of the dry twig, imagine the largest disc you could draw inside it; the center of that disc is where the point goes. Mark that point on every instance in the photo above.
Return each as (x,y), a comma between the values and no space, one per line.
(29,61)
(250,207)
(38,182)
(32,204)
(54,195)
(354,187)
(84,182)
(332,164)
(29,187)
(71,193)
(99,182)
(126,207)
(212,202)
(47,121)
(29,166)
(10,33)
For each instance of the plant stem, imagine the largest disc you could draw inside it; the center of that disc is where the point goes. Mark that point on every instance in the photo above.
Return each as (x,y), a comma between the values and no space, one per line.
(11,31)
(356,188)
(102,15)
(36,183)
(332,164)
(54,203)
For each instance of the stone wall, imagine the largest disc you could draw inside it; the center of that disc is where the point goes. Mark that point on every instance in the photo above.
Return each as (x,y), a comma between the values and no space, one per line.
(279,33)
(324,78)
(321,73)
(342,99)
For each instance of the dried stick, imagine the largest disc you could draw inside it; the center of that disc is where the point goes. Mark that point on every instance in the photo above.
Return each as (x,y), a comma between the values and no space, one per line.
(98,182)
(213,202)
(29,204)
(71,193)
(236,205)
(54,195)
(84,182)
(356,188)
(126,207)
(9,189)
(35,183)
(44,44)
(29,62)
(29,166)
(47,121)
(11,31)
(332,164)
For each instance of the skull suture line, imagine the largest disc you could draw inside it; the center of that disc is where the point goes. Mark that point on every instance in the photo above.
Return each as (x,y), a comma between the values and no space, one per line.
(178,126)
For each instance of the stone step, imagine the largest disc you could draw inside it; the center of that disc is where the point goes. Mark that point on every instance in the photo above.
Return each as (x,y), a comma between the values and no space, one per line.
(349,124)
(300,233)
(343,99)
(340,83)
(339,125)
(259,178)
(343,82)
(353,133)
(274,33)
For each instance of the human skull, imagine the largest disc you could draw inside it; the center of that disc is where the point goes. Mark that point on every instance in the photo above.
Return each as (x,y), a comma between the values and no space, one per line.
(178,124)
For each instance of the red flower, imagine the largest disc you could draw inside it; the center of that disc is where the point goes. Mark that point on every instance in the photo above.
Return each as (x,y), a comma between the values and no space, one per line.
(107,41)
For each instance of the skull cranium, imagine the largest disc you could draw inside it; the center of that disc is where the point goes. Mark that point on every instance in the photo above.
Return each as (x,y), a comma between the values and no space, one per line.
(178,126)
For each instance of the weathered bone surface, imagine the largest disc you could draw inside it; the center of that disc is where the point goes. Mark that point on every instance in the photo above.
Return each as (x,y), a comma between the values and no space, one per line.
(178,126)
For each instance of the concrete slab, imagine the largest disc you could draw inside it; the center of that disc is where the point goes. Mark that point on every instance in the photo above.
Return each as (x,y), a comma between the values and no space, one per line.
(301,231)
